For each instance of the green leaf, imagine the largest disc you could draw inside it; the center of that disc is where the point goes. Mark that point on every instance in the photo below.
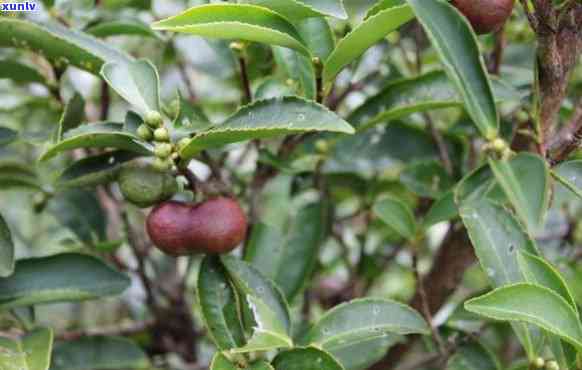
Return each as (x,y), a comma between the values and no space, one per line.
(456,44)
(298,9)
(137,82)
(569,174)
(122,27)
(6,250)
(397,215)
(15,175)
(427,179)
(318,36)
(91,353)
(538,271)
(264,306)
(261,365)
(7,136)
(97,135)
(20,73)
(298,68)
(289,258)
(221,362)
(219,306)
(361,320)
(81,212)
(363,354)
(525,182)
(443,209)
(32,352)
(365,35)
(497,238)
(62,46)
(429,91)
(73,115)
(306,359)
(190,119)
(472,356)
(48,279)
(268,118)
(95,170)
(235,21)
(531,304)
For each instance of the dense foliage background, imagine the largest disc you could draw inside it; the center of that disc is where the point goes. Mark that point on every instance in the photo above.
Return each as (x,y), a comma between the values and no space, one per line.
(412,189)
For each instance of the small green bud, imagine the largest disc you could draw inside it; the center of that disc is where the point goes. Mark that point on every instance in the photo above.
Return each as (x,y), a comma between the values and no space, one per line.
(322,146)
(499,145)
(163,150)
(522,116)
(183,143)
(145,133)
(161,134)
(539,363)
(552,365)
(162,165)
(153,119)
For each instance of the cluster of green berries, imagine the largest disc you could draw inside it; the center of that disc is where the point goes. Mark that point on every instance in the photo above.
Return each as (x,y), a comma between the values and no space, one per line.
(153,130)
(540,363)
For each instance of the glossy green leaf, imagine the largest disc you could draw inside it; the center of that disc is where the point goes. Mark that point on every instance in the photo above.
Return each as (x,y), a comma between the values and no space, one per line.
(443,209)
(62,46)
(91,353)
(532,304)
(569,174)
(73,115)
(397,215)
(81,212)
(288,258)
(363,354)
(261,365)
(48,280)
(306,359)
(137,82)
(96,170)
(31,352)
(365,35)
(268,118)
(472,356)
(318,36)
(298,68)
(219,306)
(452,37)
(97,135)
(363,319)
(16,175)
(497,238)
(6,250)
(122,27)
(426,179)
(429,91)
(19,72)
(525,182)
(7,136)
(538,271)
(236,21)
(122,4)
(221,362)
(250,282)
(298,9)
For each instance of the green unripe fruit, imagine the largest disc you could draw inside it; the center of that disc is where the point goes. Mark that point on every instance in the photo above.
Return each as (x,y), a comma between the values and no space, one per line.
(146,186)
(322,146)
(154,119)
(161,134)
(552,365)
(499,145)
(163,150)
(162,164)
(145,133)
(183,143)
(539,363)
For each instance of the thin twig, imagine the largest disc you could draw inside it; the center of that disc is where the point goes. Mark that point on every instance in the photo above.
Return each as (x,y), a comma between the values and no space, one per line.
(440,143)
(533,22)
(245,81)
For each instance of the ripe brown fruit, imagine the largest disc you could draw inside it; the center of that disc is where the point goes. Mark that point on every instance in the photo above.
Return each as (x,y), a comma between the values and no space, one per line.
(485,15)
(215,226)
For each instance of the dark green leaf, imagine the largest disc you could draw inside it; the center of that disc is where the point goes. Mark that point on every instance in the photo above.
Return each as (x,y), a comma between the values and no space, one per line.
(122,27)
(7,136)
(73,115)
(298,9)
(6,250)
(48,280)
(472,356)
(19,72)
(306,359)
(397,215)
(15,175)
(426,179)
